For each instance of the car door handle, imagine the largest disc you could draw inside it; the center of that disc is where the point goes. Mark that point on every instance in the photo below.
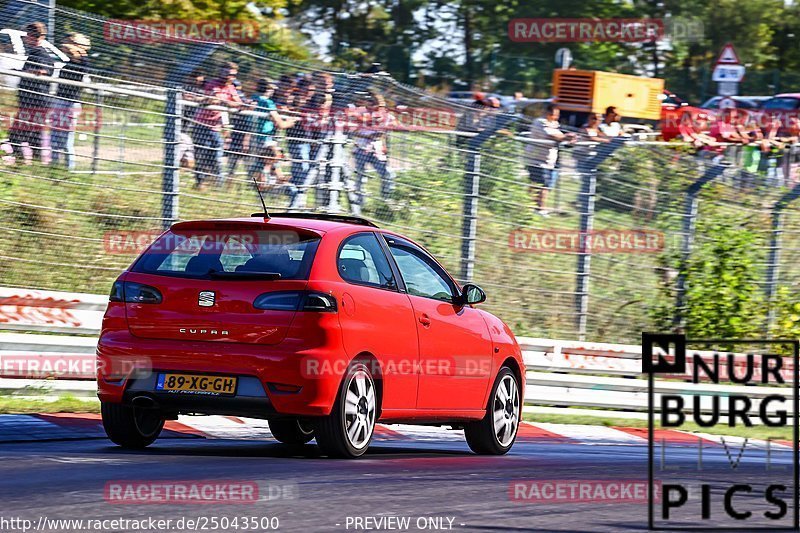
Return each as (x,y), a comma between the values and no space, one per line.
(425,321)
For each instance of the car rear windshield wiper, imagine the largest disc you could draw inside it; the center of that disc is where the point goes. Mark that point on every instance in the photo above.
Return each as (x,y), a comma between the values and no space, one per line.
(243,275)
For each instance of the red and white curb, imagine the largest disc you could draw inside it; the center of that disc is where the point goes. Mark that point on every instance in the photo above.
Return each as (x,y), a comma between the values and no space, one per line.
(59,426)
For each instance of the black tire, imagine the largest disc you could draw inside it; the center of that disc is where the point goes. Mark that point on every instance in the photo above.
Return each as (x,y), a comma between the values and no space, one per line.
(131,427)
(482,437)
(332,431)
(291,432)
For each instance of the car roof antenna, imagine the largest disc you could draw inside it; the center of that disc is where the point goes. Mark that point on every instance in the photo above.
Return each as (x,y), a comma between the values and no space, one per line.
(260,196)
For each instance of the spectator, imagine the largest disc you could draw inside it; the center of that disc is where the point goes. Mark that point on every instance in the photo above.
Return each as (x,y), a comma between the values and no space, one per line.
(591,131)
(67,103)
(298,141)
(542,155)
(285,92)
(33,95)
(693,131)
(272,178)
(728,128)
(371,149)
(192,92)
(317,129)
(208,122)
(240,127)
(611,126)
(264,127)
(473,119)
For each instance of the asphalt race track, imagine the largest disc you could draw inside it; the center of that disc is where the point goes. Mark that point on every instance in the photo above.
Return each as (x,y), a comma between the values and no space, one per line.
(429,478)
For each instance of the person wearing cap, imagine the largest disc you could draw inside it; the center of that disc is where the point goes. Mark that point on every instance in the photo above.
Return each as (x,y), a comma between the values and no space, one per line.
(33,94)
(67,103)
(264,127)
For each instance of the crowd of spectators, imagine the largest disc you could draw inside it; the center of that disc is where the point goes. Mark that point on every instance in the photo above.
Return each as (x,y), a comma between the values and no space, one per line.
(282,132)
(290,135)
(230,131)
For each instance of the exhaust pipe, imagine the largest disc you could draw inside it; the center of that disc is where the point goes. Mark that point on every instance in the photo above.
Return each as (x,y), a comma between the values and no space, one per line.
(144,402)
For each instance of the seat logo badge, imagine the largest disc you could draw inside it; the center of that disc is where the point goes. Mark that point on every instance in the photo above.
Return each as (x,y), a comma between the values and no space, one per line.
(205,299)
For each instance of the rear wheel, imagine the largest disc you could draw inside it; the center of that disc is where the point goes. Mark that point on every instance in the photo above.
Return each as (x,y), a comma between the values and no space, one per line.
(291,432)
(131,427)
(497,431)
(347,431)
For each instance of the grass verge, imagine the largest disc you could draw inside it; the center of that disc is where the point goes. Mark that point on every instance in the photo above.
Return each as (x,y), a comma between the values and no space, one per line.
(65,404)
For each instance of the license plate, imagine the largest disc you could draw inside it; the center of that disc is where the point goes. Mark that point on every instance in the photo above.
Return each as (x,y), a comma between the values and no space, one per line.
(197,384)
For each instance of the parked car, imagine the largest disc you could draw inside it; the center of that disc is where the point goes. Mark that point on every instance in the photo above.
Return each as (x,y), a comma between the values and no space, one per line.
(742,102)
(320,324)
(786,108)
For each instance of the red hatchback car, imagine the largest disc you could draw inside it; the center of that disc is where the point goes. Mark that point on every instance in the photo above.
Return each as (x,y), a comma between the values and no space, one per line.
(320,324)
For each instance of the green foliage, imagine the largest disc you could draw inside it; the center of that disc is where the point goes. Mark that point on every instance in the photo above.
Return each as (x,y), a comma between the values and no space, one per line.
(723,295)
(787,314)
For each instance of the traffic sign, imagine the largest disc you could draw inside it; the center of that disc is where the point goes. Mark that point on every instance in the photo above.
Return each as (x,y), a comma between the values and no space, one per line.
(725,72)
(564,57)
(728,56)
(727,88)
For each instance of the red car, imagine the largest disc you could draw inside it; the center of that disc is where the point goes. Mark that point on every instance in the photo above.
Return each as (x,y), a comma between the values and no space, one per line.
(320,324)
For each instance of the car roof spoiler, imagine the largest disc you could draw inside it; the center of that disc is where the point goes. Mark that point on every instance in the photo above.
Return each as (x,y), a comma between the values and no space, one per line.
(346,219)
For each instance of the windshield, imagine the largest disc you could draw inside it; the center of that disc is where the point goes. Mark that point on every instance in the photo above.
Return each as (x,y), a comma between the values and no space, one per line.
(203,254)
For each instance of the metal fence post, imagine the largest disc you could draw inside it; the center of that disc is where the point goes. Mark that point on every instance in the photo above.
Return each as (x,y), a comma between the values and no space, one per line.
(98,102)
(688,228)
(587,169)
(170,185)
(774,252)
(469,228)
(336,165)
(472,179)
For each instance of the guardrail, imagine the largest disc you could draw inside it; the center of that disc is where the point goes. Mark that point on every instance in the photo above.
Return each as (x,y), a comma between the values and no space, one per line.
(603,378)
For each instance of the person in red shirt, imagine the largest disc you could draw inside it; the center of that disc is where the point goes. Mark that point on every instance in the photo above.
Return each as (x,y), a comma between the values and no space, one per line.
(208,123)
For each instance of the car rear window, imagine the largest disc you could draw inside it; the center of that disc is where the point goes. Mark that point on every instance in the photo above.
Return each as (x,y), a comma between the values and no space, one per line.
(200,253)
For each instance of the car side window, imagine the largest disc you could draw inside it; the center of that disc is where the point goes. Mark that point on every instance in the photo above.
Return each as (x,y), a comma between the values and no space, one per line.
(361,260)
(420,274)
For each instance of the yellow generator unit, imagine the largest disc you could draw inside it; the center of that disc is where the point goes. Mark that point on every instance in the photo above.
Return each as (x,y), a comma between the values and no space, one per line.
(590,91)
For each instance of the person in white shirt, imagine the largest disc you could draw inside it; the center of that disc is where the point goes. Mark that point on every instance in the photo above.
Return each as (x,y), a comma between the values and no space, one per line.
(611,126)
(542,155)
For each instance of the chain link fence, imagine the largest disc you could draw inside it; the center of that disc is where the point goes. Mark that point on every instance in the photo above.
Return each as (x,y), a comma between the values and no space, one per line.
(93,168)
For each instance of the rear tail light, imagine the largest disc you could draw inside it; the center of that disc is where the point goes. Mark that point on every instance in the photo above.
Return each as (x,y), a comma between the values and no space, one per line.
(317,302)
(135,293)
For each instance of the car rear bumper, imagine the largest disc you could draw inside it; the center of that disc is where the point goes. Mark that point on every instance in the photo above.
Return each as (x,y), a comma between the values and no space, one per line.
(273,380)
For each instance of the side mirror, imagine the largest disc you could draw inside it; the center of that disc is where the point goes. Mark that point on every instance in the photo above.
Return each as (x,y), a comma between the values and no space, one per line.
(472,294)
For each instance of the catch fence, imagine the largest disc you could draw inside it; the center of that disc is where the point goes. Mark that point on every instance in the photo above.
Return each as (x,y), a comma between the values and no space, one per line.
(455,178)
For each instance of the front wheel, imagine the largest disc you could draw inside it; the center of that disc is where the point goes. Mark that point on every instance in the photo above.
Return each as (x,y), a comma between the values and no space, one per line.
(131,427)
(291,432)
(496,432)
(347,431)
